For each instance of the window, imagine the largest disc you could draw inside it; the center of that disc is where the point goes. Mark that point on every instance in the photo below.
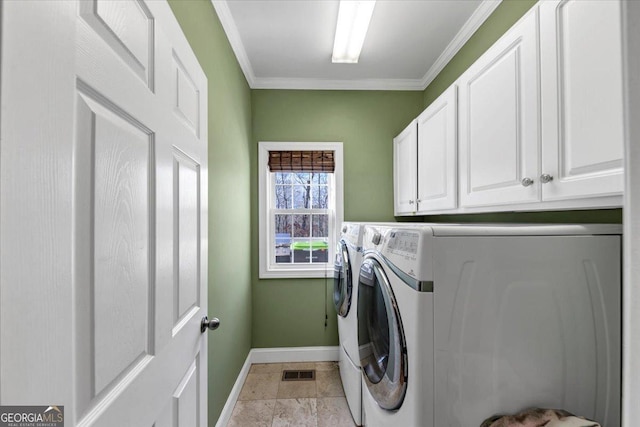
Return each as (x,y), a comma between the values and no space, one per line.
(300,191)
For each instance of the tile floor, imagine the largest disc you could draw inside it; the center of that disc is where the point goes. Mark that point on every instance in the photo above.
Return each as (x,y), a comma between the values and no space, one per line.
(267,401)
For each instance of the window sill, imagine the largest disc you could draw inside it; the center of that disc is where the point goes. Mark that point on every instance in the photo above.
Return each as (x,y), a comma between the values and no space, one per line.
(298,273)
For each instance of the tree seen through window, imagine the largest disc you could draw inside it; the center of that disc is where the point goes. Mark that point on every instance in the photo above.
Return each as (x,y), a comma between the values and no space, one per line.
(301,222)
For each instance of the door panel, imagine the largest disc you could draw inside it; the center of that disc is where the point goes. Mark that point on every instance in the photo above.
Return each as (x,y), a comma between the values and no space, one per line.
(437,154)
(119,220)
(187,96)
(501,139)
(186,203)
(128,28)
(583,129)
(182,409)
(165,418)
(499,121)
(405,165)
(186,399)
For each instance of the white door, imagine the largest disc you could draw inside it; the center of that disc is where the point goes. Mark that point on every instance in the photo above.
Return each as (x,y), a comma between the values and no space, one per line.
(103,214)
(582,106)
(498,119)
(404,170)
(437,160)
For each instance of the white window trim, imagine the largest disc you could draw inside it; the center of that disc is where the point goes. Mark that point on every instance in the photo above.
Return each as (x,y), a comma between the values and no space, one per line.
(270,270)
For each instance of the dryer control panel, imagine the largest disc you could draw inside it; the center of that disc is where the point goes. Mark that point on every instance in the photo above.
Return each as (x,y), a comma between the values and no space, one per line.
(405,248)
(404,243)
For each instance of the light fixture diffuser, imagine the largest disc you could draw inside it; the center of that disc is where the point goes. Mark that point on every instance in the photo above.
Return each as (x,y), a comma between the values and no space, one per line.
(353,23)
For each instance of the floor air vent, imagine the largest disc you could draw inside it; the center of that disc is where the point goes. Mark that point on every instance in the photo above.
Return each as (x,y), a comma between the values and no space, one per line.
(306,375)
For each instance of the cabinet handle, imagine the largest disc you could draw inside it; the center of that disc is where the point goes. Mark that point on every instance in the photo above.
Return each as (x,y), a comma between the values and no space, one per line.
(546,178)
(526,182)
(410,202)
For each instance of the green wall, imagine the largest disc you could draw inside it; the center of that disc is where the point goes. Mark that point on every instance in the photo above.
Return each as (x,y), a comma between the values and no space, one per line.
(291,312)
(229,203)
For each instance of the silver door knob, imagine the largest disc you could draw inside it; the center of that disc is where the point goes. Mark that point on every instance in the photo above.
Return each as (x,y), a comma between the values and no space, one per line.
(526,182)
(212,324)
(545,178)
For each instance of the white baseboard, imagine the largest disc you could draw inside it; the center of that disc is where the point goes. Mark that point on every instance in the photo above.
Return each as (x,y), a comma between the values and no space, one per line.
(225,415)
(294,354)
(274,355)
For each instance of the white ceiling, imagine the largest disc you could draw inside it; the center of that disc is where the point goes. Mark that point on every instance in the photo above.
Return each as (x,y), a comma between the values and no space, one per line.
(287,44)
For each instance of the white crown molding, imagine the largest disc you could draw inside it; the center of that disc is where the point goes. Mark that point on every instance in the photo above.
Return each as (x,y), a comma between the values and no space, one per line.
(325,84)
(486,8)
(229,26)
(480,15)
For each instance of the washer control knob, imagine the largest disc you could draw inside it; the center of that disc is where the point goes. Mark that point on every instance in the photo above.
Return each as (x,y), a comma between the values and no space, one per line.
(376,238)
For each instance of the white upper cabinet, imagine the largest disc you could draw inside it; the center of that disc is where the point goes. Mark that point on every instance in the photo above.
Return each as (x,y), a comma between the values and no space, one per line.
(539,121)
(582,102)
(499,123)
(437,169)
(404,170)
(424,160)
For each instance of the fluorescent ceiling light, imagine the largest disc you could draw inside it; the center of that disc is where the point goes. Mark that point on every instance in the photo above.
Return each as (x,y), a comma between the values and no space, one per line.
(353,23)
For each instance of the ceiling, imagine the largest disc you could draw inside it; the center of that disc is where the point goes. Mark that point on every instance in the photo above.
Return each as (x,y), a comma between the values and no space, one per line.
(287,44)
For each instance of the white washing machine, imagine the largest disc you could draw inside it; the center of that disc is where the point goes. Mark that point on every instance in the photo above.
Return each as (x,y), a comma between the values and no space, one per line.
(461,322)
(345,298)
(527,316)
(395,328)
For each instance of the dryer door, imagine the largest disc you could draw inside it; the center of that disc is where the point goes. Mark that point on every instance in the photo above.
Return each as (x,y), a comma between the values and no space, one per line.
(342,284)
(383,350)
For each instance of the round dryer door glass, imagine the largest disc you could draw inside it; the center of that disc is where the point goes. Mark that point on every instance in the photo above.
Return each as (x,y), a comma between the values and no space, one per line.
(381,338)
(342,281)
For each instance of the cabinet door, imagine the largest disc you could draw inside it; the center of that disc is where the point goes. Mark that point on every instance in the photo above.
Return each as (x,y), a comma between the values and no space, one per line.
(499,123)
(404,170)
(437,169)
(582,102)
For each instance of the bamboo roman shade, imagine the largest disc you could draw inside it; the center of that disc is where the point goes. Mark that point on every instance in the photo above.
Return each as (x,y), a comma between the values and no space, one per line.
(301,161)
